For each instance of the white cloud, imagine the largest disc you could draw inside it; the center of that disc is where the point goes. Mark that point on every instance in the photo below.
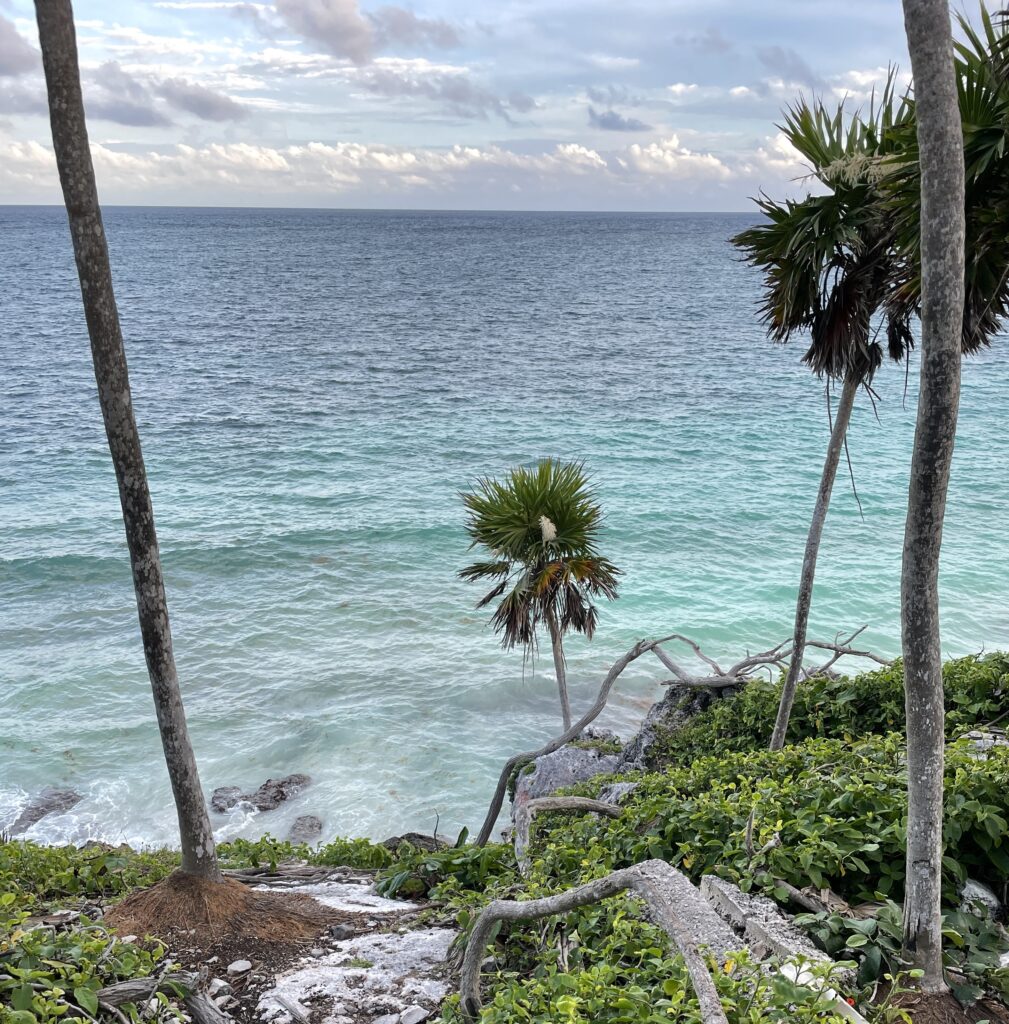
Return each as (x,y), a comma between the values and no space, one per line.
(683,88)
(668,157)
(609,63)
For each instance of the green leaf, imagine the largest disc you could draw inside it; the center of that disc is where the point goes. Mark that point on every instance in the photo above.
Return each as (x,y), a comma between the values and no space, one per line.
(86,999)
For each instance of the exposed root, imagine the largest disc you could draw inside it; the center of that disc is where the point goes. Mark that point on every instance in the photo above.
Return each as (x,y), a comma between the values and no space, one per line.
(944,1009)
(202,911)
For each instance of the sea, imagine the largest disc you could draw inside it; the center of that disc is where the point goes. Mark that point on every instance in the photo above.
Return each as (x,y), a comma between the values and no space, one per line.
(313,390)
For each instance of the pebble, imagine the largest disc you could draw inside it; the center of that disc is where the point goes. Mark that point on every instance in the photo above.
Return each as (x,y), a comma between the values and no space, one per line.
(317,952)
(414,1015)
(387,1018)
(340,932)
(218,987)
(239,967)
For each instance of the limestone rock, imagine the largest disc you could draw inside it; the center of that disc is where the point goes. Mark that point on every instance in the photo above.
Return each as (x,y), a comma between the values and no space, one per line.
(564,767)
(976,895)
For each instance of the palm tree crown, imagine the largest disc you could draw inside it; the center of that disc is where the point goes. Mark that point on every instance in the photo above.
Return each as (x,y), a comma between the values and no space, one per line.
(540,526)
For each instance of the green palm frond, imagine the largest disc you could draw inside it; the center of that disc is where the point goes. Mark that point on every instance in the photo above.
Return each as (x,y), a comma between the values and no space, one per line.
(554,573)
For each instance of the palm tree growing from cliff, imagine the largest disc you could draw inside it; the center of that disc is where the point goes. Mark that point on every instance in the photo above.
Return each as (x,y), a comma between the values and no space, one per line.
(941,216)
(539,529)
(830,271)
(77,177)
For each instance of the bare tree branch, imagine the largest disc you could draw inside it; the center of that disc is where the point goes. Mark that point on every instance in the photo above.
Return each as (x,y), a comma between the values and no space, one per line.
(526,810)
(677,907)
(641,647)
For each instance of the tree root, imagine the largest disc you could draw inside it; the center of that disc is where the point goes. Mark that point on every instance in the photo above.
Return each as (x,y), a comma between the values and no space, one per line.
(675,904)
(201,1007)
(289,876)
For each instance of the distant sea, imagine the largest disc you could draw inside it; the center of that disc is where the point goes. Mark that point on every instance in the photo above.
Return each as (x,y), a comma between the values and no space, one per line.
(313,389)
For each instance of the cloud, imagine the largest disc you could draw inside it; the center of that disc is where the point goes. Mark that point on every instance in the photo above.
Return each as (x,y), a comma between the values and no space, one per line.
(337,24)
(20,98)
(394,25)
(205,103)
(17,56)
(340,27)
(117,96)
(347,169)
(610,63)
(448,84)
(611,121)
(788,65)
(668,157)
(682,88)
(709,41)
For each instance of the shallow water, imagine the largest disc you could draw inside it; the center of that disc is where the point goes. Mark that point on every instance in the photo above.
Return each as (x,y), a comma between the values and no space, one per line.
(313,389)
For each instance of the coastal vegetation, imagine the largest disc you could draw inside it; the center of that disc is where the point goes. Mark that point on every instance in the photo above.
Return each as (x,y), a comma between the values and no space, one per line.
(881,820)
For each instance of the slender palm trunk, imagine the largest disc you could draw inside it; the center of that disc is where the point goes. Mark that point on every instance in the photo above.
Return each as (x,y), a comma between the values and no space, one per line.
(560,668)
(77,176)
(940,144)
(837,435)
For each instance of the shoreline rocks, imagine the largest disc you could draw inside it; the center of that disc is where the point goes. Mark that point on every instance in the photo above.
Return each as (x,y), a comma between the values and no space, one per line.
(51,800)
(270,795)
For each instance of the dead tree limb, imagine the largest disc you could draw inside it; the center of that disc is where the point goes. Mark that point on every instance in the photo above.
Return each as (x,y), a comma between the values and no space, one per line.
(526,810)
(291,875)
(183,985)
(676,906)
(743,670)
(641,647)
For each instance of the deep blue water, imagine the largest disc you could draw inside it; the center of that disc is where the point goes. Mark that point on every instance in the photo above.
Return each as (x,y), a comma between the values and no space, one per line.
(313,389)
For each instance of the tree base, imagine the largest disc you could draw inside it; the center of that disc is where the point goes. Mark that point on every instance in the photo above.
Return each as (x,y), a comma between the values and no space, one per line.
(944,1009)
(200,911)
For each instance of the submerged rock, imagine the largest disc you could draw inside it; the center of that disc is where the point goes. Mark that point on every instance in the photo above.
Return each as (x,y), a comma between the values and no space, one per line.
(51,800)
(306,829)
(270,795)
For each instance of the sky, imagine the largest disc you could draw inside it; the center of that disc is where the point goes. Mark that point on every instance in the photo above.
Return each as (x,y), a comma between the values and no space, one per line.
(441,104)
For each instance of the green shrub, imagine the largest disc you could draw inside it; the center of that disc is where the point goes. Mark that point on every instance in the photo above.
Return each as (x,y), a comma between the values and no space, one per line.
(39,876)
(48,975)
(848,706)
(839,808)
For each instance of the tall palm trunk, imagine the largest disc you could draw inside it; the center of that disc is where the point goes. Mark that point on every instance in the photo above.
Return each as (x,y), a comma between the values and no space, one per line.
(940,144)
(560,668)
(77,176)
(837,435)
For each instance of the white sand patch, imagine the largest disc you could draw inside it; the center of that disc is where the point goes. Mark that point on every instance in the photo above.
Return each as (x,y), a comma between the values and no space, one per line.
(403,972)
(350,897)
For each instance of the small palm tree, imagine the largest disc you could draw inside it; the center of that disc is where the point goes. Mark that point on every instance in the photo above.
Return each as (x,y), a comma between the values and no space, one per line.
(829,269)
(540,528)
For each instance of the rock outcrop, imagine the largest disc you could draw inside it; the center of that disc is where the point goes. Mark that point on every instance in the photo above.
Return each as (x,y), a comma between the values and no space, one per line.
(270,795)
(51,800)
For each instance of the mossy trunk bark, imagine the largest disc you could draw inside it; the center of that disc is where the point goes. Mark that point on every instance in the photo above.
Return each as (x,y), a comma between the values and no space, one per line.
(940,144)
(77,177)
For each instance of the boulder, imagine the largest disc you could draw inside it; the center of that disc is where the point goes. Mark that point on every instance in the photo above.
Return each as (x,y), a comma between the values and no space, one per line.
(616,791)
(224,798)
(270,795)
(674,711)
(51,800)
(305,829)
(564,767)
(418,840)
(976,896)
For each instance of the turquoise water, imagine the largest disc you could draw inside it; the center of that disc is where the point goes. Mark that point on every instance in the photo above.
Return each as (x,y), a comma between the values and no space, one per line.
(313,389)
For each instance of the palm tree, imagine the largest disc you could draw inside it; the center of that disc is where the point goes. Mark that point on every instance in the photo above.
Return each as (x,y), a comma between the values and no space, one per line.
(540,527)
(73,158)
(829,269)
(941,247)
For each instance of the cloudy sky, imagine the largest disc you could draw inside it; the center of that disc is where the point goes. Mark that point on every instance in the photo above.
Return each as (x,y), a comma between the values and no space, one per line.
(515,104)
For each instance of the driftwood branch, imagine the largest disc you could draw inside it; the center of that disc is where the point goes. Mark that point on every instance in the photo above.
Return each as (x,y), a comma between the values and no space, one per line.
(286,876)
(668,894)
(526,810)
(200,1006)
(641,647)
(776,657)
